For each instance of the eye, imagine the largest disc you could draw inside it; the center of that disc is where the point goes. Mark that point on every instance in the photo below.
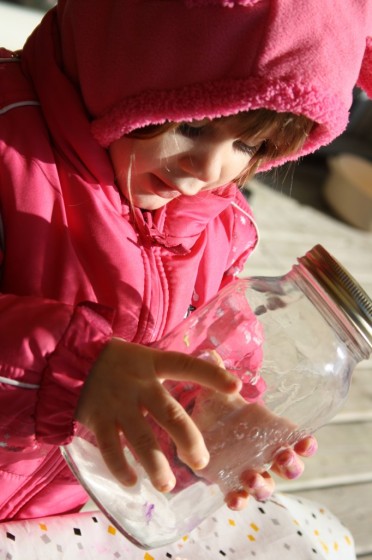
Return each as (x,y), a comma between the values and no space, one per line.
(246,148)
(192,129)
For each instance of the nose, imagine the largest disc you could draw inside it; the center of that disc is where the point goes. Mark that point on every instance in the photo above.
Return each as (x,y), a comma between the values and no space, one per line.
(205,164)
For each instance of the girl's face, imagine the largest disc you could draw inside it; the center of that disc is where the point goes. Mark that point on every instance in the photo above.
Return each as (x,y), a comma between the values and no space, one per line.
(197,156)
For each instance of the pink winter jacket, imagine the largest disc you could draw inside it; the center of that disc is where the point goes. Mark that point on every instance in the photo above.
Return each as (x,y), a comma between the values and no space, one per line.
(75,270)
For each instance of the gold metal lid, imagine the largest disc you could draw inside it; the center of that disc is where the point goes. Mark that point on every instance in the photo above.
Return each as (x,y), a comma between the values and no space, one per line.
(345,291)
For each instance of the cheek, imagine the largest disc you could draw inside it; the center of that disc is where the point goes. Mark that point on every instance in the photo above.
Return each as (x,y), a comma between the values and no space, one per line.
(145,161)
(236,167)
(120,154)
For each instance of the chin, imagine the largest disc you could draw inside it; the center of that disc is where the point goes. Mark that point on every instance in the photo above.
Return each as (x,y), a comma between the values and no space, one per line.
(145,204)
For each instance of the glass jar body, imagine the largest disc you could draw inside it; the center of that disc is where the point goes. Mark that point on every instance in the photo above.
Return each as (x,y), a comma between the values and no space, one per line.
(295,362)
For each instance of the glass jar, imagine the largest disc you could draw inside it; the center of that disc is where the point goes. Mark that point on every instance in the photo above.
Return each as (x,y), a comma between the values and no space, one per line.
(294,341)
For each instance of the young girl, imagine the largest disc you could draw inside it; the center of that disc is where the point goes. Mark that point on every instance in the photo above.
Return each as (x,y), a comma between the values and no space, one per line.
(126,128)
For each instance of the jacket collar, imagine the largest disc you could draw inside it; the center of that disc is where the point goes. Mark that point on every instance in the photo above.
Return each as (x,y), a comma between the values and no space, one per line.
(179,224)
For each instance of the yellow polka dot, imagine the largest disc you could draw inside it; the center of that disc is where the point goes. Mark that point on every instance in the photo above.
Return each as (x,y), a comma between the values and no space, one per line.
(295,522)
(185,538)
(111,530)
(43,527)
(254,527)
(347,539)
(324,545)
(316,532)
(186,340)
(148,556)
(251,538)
(231,522)
(335,546)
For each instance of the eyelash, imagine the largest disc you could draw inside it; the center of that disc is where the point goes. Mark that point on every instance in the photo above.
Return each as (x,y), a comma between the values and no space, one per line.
(195,131)
(189,131)
(245,148)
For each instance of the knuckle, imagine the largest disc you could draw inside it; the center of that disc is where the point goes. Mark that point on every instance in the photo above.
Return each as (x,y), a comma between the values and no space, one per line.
(184,364)
(110,453)
(175,414)
(143,441)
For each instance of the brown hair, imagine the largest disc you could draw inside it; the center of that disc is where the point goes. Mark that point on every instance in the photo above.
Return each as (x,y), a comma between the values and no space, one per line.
(284,133)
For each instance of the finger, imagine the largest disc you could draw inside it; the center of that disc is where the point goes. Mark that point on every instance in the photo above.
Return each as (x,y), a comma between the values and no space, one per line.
(288,465)
(258,485)
(306,447)
(173,418)
(111,449)
(178,366)
(145,447)
(237,500)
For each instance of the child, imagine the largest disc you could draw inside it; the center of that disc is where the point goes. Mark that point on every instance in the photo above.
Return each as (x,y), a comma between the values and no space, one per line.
(125,128)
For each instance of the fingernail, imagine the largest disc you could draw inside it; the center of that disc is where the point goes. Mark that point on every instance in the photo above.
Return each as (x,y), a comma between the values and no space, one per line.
(237,503)
(202,462)
(196,464)
(167,486)
(237,383)
(289,466)
(237,500)
(254,482)
(263,494)
(293,472)
(311,448)
(285,460)
(128,479)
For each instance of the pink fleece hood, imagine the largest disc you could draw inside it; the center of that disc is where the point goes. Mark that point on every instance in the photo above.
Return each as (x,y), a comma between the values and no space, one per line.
(138,62)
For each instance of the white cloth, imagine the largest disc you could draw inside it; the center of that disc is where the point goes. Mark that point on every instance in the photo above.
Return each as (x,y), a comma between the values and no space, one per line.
(284,527)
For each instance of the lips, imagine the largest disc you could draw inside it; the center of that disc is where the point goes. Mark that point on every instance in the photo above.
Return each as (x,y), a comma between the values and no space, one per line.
(163,190)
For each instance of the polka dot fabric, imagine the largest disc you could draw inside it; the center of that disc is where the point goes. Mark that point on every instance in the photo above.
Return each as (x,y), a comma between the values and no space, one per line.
(284,527)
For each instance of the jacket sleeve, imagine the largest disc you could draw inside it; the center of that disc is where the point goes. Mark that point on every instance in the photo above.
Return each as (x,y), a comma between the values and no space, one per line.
(46,352)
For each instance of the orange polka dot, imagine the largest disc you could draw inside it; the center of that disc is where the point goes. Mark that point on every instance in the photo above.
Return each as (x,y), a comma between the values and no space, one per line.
(251,538)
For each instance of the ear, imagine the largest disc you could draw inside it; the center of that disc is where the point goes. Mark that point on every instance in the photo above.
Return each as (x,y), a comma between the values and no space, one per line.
(365,76)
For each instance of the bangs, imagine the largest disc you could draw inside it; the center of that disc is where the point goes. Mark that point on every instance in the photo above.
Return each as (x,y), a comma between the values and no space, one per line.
(280,134)
(284,133)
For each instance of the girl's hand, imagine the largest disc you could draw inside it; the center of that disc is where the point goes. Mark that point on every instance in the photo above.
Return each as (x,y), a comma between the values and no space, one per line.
(248,433)
(238,434)
(123,386)
(261,486)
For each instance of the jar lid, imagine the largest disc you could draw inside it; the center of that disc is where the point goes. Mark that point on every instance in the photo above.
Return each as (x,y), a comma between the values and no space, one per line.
(342,288)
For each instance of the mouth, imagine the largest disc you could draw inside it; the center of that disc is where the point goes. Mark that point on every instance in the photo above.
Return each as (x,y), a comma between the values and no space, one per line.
(164,190)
